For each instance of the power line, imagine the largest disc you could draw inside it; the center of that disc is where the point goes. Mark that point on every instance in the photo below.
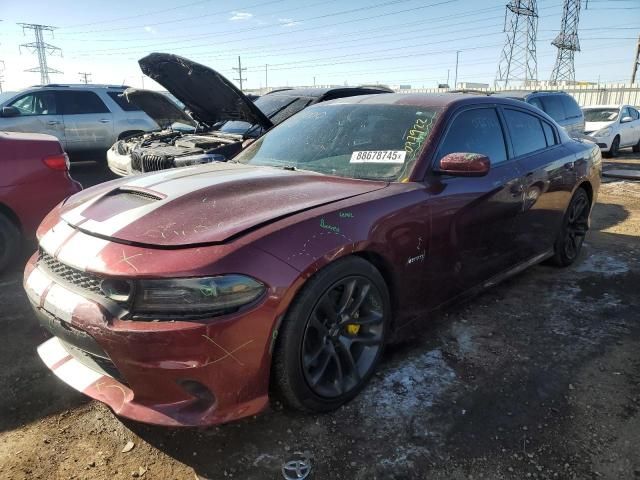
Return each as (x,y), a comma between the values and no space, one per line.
(41,49)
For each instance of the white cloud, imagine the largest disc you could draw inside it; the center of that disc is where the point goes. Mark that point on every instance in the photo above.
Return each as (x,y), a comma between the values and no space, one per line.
(287,22)
(150,30)
(241,16)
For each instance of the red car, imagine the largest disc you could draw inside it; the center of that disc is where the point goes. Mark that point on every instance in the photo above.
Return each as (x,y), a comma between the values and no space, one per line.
(184,297)
(34,177)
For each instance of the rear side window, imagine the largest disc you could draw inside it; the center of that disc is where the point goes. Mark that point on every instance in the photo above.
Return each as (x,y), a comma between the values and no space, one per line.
(122,102)
(75,102)
(476,131)
(571,107)
(554,108)
(535,101)
(526,131)
(38,103)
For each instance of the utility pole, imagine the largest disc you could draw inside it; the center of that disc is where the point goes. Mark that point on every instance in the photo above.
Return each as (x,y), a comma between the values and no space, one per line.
(636,62)
(1,74)
(314,80)
(84,77)
(455,78)
(567,43)
(239,69)
(42,49)
(448,70)
(266,83)
(518,61)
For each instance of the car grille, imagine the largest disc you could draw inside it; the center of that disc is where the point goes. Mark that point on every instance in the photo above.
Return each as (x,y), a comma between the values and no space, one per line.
(99,363)
(136,162)
(60,271)
(152,163)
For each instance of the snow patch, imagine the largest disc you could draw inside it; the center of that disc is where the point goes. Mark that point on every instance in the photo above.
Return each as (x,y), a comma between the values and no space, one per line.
(604,264)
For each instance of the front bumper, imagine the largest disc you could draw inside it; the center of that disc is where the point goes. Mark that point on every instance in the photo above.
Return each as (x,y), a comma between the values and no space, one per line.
(119,164)
(603,142)
(165,373)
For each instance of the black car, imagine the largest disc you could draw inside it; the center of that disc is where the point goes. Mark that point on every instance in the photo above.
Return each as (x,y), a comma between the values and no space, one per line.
(218,120)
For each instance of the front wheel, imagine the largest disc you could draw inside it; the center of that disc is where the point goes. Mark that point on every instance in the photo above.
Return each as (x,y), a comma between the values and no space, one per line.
(614,151)
(574,228)
(332,338)
(9,242)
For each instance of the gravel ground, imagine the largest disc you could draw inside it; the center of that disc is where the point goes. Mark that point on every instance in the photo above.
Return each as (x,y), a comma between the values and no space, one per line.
(538,377)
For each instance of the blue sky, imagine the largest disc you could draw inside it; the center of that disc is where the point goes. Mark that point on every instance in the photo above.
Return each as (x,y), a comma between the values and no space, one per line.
(387,41)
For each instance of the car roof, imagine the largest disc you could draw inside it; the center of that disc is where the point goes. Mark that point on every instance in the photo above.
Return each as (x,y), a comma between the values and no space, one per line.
(439,100)
(314,92)
(525,93)
(616,106)
(80,85)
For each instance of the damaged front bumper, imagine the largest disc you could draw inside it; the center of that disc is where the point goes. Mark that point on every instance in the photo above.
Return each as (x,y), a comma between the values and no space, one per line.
(177,373)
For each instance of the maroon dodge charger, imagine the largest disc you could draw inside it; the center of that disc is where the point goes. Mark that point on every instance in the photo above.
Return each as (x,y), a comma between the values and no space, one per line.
(186,296)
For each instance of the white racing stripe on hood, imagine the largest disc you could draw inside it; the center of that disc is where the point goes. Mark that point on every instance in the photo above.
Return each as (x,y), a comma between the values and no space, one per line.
(74,217)
(81,250)
(61,303)
(121,220)
(36,284)
(54,238)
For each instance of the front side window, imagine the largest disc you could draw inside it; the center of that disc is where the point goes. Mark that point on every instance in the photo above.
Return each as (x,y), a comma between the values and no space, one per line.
(554,108)
(476,131)
(624,113)
(526,131)
(634,113)
(376,142)
(38,103)
(75,102)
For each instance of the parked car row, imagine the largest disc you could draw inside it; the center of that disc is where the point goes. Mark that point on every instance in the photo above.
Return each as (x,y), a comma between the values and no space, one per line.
(613,127)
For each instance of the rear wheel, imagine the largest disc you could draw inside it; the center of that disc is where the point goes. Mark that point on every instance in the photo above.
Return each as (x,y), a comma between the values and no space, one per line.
(574,228)
(614,151)
(636,147)
(332,337)
(9,241)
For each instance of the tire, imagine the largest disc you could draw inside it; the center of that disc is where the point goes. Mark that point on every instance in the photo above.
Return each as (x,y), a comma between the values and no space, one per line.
(9,242)
(323,359)
(614,151)
(573,230)
(636,147)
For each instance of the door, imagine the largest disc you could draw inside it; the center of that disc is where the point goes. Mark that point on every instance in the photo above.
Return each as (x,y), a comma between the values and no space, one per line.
(627,130)
(38,113)
(635,115)
(548,178)
(474,218)
(87,120)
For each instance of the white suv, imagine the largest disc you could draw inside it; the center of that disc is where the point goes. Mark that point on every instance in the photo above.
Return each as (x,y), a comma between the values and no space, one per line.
(83,117)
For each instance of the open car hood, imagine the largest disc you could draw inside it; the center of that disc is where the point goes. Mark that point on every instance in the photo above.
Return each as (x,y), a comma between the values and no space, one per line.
(209,96)
(202,205)
(160,108)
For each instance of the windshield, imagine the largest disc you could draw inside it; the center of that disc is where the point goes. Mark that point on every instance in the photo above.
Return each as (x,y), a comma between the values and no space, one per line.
(600,114)
(377,142)
(276,107)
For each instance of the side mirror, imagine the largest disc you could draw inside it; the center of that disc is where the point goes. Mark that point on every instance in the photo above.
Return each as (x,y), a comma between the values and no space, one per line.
(626,120)
(464,165)
(9,112)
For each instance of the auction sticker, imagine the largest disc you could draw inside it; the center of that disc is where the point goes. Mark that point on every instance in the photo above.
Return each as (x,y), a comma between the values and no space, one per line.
(378,156)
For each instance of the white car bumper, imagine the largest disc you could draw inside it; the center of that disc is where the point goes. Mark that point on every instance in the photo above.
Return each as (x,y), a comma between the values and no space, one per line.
(119,164)
(603,142)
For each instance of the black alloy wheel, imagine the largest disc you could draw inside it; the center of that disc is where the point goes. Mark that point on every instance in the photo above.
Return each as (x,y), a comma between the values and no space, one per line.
(343,337)
(332,337)
(574,229)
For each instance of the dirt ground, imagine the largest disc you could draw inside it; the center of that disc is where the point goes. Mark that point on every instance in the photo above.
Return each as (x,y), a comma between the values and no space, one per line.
(537,378)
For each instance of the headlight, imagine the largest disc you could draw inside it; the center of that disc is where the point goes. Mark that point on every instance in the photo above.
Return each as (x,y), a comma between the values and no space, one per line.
(605,132)
(198,159)
(194,297)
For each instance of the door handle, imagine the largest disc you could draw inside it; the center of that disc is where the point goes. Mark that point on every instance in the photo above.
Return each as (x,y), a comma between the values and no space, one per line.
(53,122)
(104,120)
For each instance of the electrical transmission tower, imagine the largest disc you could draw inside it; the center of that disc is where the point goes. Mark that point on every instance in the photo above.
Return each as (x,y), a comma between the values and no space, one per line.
(567,43)
(239,69)
(518,63)
(42,49)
